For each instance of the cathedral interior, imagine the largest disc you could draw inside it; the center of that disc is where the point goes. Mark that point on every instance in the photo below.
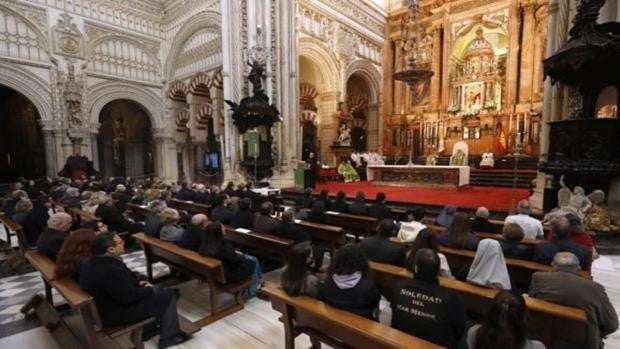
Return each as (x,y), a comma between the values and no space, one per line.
(449,133)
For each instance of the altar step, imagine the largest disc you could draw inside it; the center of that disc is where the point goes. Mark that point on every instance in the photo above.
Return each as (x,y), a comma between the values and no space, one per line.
(495,178)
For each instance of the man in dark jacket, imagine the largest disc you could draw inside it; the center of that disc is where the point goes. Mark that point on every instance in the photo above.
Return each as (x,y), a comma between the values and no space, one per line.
(426,310)
(264,223)
(121,197)
(221,212)
(359,206)
(380,248)
(324,198)
(340,204)
(289,230)
(114,219)
(54,234)
(121,298)
(243,218)
(185,193)
(192,236)
(561,242)
(565,286)
(379,210)
(481,222)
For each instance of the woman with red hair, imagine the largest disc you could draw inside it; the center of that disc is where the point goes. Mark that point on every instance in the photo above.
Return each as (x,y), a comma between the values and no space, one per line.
(75,248)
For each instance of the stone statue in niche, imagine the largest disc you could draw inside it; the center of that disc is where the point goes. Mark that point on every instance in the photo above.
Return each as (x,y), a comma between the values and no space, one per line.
(73,97)
(344,135)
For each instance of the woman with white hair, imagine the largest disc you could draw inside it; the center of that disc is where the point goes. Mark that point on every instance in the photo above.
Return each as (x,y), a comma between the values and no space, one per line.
(170,231)
(489,267)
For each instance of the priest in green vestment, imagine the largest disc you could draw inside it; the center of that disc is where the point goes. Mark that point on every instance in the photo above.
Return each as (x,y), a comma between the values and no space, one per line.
(346,170)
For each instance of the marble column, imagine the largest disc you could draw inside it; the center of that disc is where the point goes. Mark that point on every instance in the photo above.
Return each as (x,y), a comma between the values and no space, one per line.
(527,53)
(372,128)
(165,160)
(436,68)
(445,64)
(399,87)
(50,153)
(512,62)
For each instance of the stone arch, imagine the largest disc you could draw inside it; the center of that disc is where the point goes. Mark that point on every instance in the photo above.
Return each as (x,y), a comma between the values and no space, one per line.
(178,91)
(200,21)
(106,92)
(34,88)
(326,62)
(200,85)
(370,74)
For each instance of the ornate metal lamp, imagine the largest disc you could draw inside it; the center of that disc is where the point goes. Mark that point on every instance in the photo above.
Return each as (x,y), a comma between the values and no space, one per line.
(415,73)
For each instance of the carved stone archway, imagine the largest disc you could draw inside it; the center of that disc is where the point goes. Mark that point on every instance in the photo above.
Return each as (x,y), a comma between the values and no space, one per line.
(34,88)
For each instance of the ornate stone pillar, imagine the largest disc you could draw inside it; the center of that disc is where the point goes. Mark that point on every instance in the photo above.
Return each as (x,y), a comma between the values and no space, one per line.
(327,130)
(445,79)
(513,55)
(436,68)
(372,128)
(527,52)
(165,160)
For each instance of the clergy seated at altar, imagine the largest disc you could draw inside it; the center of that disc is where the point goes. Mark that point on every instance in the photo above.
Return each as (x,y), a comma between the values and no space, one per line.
(346,170)
(459,158)
(487,160)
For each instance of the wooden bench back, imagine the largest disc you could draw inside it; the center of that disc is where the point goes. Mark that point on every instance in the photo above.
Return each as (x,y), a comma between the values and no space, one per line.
(190,206)
(340,326)
(352,221)
(11,226)
(139,212)
(188,260)
(260,241)
(550,322)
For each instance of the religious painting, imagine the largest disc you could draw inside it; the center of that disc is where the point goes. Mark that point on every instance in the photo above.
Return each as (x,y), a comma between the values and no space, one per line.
(420,93)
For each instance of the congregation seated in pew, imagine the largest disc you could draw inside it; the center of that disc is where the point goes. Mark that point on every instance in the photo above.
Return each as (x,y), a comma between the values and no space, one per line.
(122,298)
(110,215)
(193,234)
(243,217)
(152,221)
(264,222)
(459,234)
(379,209)
(317,213)
(297,278)
(489,267)
(340,204)
(481,223)
(423,308)
(349,285)
(504,326)
(52,237)
(323,197)
(561,242)
(236,267)
(358,206)
(511,244)
(565,286)
(427,238)
(170,230)
(380,248)
(532,227)
(410,229)
(221,212)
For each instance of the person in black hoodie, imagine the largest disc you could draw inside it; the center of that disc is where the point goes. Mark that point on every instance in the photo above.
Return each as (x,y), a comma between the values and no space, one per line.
(380,248)
(426,310)
(348,285)
(121,298)
(379,210)
(236,267)
(481,223)
(512,246)
(340,204)
(221,212)
(192,236)
(243,217)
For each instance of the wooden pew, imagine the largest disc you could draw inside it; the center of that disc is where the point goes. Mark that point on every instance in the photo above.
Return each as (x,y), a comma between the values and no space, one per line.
(336,327)
(138,212)
(328,235)
(500,237)
(352,222)
(520,270)
(190,206)
(260,241)
(11,227)
(555,325)
(204,268)
(83,304)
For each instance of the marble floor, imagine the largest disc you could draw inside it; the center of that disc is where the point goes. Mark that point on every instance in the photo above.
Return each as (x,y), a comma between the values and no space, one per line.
(257,326)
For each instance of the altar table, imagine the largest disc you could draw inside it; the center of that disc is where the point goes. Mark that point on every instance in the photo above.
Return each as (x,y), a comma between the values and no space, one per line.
(419,175)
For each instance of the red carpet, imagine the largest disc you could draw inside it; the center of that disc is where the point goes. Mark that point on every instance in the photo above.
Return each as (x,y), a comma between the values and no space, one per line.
(495,198)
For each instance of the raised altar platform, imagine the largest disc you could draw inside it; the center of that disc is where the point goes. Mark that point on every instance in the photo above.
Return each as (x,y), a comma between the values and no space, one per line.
(419,175)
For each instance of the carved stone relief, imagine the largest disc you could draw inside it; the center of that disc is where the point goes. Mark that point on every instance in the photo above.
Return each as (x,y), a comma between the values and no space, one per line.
(67,39)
